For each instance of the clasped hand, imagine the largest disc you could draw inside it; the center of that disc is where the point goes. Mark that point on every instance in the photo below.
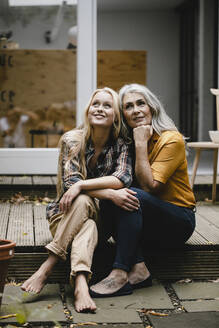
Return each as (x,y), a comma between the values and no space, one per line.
(125,198)
(69,196)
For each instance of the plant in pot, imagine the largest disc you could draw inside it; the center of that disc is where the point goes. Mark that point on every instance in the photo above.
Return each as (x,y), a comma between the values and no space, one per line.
(6,253)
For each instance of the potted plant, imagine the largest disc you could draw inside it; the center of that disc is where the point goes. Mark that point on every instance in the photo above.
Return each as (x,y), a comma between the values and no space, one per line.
(6,253)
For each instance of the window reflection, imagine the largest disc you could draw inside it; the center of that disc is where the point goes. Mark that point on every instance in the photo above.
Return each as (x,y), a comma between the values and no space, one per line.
(37,73)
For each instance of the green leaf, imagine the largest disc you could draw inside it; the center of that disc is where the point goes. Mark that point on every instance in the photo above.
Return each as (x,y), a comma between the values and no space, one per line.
(21,318)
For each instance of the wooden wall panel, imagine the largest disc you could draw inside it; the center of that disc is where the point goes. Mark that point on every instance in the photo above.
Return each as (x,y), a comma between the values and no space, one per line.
(43,82)
(33,79)
(116,68)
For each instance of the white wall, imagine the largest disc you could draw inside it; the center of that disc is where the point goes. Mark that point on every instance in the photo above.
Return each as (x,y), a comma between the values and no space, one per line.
(206,71)
(29,25)
(158,34)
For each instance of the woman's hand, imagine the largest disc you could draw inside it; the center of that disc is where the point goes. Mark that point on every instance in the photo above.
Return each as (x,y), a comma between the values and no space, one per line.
(125,198)
(69,196)
(142,133)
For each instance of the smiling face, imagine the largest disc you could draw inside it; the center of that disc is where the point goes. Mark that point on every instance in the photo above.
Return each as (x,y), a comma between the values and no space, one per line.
(101,111)
(135,110)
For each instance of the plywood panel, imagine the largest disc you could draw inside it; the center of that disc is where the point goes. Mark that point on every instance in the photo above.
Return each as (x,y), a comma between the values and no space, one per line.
(116,68)
(34,79)
(42,85)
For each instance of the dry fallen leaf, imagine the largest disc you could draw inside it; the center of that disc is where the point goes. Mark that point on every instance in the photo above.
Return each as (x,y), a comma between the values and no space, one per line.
(8,316)
(159,314)
(146,311)
(187,281)
(214,280)
(19,198)
(83,324)
(47,200)
(13,283)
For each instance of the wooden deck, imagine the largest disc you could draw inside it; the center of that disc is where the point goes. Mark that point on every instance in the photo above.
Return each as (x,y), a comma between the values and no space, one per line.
(26,224)
(26,180)
(33,186)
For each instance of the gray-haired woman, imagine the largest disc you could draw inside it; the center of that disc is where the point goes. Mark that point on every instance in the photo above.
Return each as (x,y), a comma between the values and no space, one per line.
(166,214)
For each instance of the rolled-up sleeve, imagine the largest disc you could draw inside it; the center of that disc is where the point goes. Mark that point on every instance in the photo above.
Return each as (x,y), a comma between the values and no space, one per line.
(71,174)
(123,169)
(70,169)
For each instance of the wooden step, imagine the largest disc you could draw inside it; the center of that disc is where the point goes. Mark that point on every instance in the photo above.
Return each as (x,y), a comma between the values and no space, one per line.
(169,265)
(40,186)
(27,226)
(32,186)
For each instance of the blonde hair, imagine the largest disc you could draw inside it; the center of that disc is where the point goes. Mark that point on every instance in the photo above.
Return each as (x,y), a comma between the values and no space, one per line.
(160,120)
(77,139)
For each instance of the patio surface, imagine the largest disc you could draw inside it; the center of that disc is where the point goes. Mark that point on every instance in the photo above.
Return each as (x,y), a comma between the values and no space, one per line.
(185,281)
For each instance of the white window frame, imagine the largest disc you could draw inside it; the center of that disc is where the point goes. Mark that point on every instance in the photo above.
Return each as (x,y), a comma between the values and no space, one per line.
(44,160)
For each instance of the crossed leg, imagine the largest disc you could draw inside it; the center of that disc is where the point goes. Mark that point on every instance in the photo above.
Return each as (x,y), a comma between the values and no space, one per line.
(77,227)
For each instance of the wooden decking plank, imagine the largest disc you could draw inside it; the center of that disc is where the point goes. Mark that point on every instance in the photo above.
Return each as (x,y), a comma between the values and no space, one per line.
(42,180)
(22,180)
(207,230)
(197,239)
(4,215)
(20,227)
(204,179)
(190,264)
(215,208)
(210,214)
(5,180)
(54,179)
(41,226)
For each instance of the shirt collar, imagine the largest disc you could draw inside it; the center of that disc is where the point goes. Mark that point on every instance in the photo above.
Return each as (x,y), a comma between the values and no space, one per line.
(90,146)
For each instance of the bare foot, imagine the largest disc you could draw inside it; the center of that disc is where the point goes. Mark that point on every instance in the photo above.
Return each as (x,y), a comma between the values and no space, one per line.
(83,301)
(38,280)
(35,283)
(138,273)
(116,280)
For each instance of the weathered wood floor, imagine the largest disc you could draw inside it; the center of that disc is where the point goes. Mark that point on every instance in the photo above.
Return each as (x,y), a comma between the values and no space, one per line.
(26,180)
(33,186)
(27,226)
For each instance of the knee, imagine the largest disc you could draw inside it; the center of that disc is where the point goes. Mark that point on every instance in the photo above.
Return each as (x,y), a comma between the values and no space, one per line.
(83,201)
(92,225)
(106,205)
(144,197)
(85,205)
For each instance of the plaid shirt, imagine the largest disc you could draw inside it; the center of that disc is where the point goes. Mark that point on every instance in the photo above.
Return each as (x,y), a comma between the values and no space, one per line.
(114,160)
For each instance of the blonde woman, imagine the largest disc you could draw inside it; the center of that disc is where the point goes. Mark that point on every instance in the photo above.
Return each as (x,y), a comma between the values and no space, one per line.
(91,159)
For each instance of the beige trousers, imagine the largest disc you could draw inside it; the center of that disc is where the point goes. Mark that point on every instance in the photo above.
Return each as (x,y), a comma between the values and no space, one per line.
(76,229)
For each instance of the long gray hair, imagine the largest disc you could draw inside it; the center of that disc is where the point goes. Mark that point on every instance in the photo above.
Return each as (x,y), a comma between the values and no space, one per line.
(160,120)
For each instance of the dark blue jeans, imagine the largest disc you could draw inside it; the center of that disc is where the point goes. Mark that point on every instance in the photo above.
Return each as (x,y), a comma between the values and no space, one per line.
(155,223)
